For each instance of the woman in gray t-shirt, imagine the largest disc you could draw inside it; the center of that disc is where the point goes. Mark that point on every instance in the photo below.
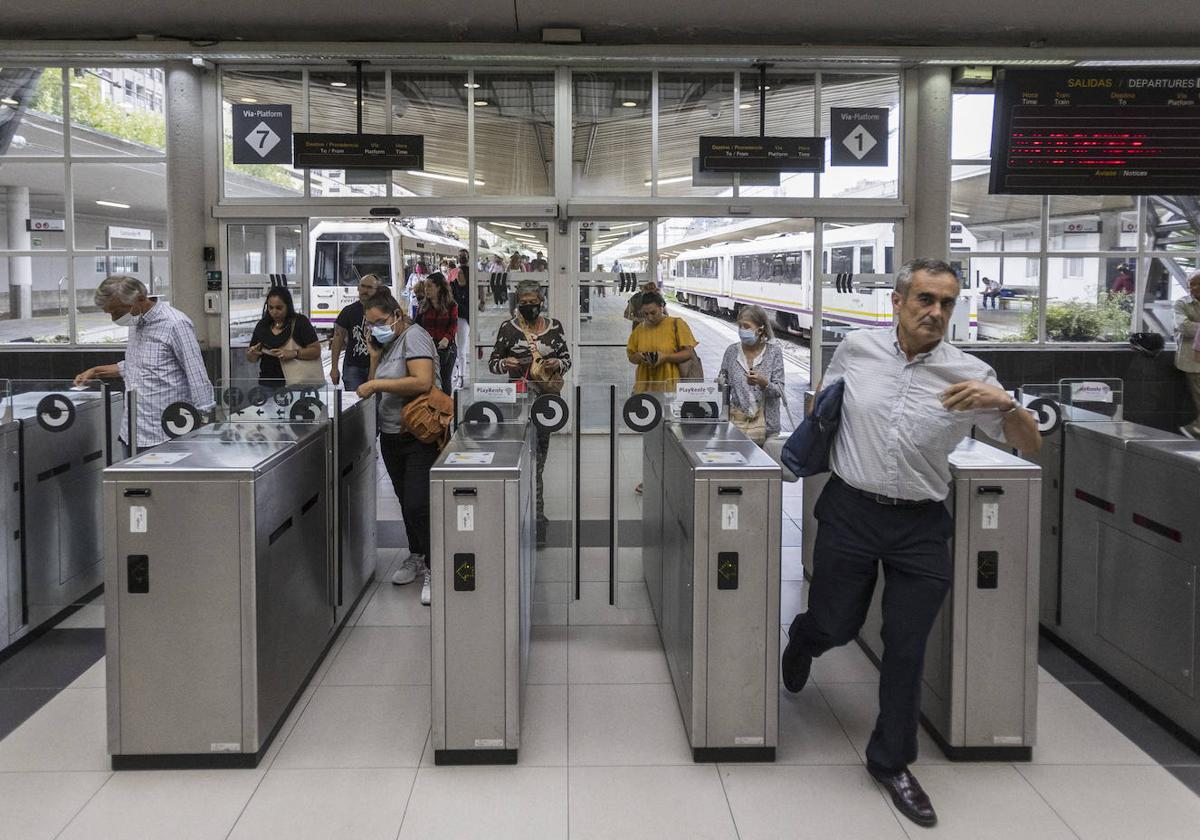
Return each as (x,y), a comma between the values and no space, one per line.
(403,366)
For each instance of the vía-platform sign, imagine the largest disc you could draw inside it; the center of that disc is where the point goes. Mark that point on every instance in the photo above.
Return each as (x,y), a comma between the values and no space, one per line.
(762,154)
(358,151)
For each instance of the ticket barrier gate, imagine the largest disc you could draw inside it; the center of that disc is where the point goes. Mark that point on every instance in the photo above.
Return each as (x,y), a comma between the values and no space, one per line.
(713,520)
(1130,537)
(482,558)
(979,692)
(54,443)
(235,552)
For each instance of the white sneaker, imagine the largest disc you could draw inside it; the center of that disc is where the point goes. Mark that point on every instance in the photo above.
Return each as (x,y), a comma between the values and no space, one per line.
(409,570)
(1189,432)
(425,597)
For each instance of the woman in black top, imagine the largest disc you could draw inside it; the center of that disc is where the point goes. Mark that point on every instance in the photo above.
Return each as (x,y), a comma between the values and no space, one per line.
(280,323)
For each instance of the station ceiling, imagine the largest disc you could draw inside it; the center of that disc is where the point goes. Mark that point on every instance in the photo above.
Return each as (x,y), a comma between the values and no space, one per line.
(949,23)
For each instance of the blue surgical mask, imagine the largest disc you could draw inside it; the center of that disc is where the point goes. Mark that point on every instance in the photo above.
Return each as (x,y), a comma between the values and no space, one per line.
(748,337)
(383,333)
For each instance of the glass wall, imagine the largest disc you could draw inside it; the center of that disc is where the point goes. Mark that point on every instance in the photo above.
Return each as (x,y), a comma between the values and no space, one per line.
(1098,266)
(508,115)
(82,195)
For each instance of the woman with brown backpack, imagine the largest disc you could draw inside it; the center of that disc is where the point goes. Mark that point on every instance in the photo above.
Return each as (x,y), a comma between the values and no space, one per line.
(414,416)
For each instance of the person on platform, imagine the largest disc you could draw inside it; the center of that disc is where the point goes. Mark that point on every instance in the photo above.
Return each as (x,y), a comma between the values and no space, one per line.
(350,333)
(1187,358)
(403,367)
(282,334)
(909,399)
(752,369)
(162,357)
(527,337)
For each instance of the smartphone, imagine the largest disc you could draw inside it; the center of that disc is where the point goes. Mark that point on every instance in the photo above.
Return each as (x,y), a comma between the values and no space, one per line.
(651,357)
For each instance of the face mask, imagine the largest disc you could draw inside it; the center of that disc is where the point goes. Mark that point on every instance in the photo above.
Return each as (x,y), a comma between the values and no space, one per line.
(126,320)
(383,333)
(530,311)
(748,337)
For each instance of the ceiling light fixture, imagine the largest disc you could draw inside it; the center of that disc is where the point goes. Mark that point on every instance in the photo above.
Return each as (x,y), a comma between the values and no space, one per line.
(960,215)
(479,103)
(249,100)
(337,84)
(116,204)
(507,225)
(438,176)
(629,103)
(471,85)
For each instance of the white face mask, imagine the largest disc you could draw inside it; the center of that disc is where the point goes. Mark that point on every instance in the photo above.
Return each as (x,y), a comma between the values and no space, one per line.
(127,320)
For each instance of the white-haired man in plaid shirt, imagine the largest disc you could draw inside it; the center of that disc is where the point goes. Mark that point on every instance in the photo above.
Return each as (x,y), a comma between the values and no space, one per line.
(162,358)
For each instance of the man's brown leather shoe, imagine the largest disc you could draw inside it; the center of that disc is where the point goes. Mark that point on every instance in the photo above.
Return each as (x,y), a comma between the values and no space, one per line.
(907,794)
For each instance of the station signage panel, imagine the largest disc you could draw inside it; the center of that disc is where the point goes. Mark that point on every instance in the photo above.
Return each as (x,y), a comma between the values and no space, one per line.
(858,136)
(762,154)
(262,134)
(358,151)
(45,224)
(1096,131)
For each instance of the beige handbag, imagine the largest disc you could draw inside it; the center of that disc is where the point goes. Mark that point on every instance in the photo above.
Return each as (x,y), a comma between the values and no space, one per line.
(752,426)
(301,371)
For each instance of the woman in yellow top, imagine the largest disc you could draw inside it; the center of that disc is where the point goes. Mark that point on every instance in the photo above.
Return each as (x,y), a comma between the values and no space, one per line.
(658,345)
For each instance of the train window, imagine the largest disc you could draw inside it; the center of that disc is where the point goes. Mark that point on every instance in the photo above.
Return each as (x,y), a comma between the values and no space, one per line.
(325,264)
(843,260)
(795,266)
(358,258)
(745,268)
(705,267)
(889,256)
(866,259)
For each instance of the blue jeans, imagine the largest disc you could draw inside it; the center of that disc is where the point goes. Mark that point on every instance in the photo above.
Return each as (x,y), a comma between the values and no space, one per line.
(353,376)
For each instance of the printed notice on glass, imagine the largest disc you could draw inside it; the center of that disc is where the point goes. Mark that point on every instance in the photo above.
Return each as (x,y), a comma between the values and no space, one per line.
(470,457)
(505,392)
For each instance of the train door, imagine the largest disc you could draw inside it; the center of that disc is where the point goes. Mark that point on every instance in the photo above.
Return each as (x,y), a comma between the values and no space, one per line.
(257,255)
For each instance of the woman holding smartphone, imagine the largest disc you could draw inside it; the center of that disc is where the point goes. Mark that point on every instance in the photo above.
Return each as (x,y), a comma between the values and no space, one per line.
(752,369)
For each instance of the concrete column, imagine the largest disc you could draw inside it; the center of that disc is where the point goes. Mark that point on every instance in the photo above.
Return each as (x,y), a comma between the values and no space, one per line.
(930,210)
(20,269)
(186,131)
(270,260)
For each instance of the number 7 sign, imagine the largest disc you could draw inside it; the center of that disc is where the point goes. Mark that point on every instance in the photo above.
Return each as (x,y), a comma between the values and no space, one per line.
(262,134)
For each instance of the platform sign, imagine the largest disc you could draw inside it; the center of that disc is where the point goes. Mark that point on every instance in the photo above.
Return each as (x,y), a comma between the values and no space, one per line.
(858,136)
(1096,131)
(359,151)
(262,133)
(762,154)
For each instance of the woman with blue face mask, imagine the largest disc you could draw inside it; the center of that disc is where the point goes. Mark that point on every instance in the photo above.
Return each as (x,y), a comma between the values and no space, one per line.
(404,365)
(752,370)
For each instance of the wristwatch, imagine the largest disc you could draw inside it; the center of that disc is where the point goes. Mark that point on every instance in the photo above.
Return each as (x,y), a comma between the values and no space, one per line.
(1016,406)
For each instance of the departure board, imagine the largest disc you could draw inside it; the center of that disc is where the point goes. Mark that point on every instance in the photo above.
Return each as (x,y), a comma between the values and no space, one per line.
(1096,131)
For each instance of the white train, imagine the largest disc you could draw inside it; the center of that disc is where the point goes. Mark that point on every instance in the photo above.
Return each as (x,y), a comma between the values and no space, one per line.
(342,252)
(776,272)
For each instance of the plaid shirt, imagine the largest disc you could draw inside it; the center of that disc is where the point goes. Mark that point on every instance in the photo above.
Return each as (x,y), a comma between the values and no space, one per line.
(439,324)
(163,364)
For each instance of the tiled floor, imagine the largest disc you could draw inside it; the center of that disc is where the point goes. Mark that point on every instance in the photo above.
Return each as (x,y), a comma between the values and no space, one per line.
(603,755)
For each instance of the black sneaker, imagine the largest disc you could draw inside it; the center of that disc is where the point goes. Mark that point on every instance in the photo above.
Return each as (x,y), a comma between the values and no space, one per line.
(796,666)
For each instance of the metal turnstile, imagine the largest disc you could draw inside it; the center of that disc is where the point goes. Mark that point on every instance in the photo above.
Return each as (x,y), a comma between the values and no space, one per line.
(218,591)
(713,524)
(54,444)
(979,692)
(1130,537)
(354,470)
(482,558)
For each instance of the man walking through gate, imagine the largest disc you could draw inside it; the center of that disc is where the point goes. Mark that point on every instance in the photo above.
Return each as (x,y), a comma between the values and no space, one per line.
(910,397)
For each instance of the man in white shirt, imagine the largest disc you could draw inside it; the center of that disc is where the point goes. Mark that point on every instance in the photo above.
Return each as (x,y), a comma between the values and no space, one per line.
(162,358)
(909,398)
(1187,318)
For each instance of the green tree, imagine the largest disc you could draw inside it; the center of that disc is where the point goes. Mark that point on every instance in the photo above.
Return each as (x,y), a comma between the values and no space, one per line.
(1107,320)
